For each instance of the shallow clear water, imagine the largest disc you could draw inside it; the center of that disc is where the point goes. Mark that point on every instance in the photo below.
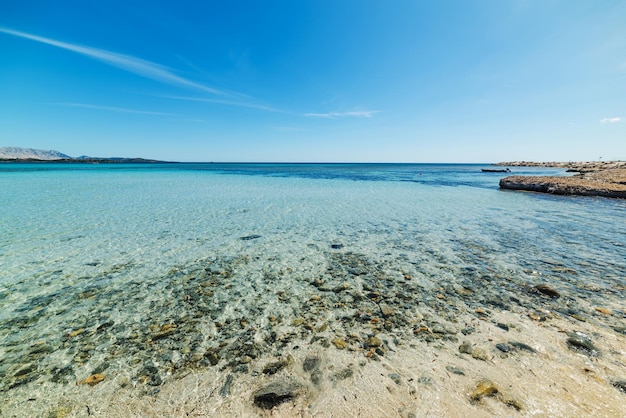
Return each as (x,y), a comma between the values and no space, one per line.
(97,260)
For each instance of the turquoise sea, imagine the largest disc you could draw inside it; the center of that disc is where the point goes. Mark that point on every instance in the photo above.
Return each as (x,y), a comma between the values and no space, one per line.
(144,272)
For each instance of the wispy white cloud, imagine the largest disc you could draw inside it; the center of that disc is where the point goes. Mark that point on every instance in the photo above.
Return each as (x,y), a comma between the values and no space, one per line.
(114,109)
(228,102)
(336,115)
(610,120)
(141,67)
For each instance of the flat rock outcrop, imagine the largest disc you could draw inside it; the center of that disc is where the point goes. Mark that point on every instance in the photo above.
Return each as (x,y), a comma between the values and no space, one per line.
(604,183)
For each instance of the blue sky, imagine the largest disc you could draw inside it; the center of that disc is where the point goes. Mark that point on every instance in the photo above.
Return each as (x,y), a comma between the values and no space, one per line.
(319,80)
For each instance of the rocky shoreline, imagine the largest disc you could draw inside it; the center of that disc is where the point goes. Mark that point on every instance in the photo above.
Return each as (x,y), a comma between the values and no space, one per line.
(602,179)
(584,166)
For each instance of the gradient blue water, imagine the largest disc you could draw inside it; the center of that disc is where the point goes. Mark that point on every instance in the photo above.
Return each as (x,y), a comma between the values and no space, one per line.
(108,228)
(62,216)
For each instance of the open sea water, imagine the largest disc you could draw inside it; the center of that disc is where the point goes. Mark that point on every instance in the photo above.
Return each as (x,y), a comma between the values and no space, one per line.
(139,272)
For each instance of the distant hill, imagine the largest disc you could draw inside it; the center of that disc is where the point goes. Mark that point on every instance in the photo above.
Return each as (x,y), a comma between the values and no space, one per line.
(16,153)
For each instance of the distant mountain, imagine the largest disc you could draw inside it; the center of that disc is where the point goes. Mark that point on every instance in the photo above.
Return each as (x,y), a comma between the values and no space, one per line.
(16,153)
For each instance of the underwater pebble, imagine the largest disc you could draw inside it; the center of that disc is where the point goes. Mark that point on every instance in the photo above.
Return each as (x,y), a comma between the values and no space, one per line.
(396,378)
(93,380)
(249,237)
(339,343)
(522,346)
(484,388)
(344,374)
(480,354)
(503,347)
(275,367)
(25,370)
(373,342)
(582,344)
(620,385)
(225,390)
(546,289)
(502,326)
(604,311)
(276,393)
(468,330)
(466,348)
(311,363)
(455,370)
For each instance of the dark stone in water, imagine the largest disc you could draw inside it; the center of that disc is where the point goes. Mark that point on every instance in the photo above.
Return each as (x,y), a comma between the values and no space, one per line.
(101,368)
(498,304)
(276,393)
(467,331)
(503,347)
(620,385)
(522,346)
(104,326)
(242,368)
(25,370)
(547,290)
(225,390)
(581,343)
(396,378)
(344,374)
(621,330)
(62,375)
(213,356)
(311,363)
(455,370)
(249,237)
(150,375)
(336,246)
(466,348)
(502,326)
(426,380)
(275,367)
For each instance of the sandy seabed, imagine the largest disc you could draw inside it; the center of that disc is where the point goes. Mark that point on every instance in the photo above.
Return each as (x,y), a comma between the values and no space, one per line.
(412,379)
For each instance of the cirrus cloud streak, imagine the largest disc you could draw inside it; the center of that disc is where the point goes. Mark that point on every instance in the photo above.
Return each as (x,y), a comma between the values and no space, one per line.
(141,67)
(337,115)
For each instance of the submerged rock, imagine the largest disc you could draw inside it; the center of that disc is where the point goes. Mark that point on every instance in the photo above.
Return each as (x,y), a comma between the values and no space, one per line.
(546,289)
(466,348)
(522,346)
(373,342)
(276,393)
(581,343)
(455,370)
(484,388)
(620,385)
(250,237)
(344,374)
(225,390)
(92,380)
(311,363)
(480,354)
(505,348)
(397,379)
(339,343)
(275,367)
